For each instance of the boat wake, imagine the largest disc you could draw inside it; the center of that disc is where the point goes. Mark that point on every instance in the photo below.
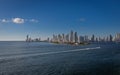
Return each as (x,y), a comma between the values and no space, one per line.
(47,53)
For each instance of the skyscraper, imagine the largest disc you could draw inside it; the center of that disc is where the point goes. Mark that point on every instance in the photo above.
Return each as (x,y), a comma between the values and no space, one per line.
(86,39)
(81,39)
(67,38)
(63,38)
(96,39)
(93,38)
(109,38)
(76,37)
(55,39)
(59,38)
(48,39)
(117,37)
(27,38)
(71,36)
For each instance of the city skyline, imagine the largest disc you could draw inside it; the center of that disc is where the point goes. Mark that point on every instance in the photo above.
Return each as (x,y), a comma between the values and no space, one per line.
(73,37)
(44,18)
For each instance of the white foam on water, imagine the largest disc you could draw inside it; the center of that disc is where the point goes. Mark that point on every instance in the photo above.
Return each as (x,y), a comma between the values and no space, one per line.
(47,53)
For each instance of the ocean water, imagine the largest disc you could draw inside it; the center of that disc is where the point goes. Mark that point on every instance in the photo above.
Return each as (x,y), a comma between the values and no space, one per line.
(40,58)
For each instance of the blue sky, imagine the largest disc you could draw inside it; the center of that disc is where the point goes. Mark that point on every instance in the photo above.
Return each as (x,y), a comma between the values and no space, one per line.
(43,18)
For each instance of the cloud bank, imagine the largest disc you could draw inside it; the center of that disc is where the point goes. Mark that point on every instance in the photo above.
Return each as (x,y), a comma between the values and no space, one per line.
(18,20)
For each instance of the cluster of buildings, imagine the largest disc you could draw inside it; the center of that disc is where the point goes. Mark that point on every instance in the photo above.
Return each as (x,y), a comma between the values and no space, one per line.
(29,39)
(73,37)
(69,38)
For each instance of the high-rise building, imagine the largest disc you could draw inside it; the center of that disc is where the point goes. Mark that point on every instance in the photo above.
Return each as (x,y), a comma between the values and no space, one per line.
(67,38)
(93,38)
(117,37)
(81,39)
(63,38)
(71,36)
(39,39)
(99,39)
(106,39)
(59,38)
(86,39)
(110,38)
(96,39)
(48,39)
(27,37)
(76,37)
(55,38)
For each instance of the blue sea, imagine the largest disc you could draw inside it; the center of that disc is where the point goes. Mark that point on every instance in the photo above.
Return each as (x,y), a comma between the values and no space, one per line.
(42,58)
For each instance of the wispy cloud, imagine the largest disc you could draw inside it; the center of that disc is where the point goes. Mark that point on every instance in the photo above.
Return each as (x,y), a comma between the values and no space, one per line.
(82,19)
(18,20)
(4,20)
(34,20)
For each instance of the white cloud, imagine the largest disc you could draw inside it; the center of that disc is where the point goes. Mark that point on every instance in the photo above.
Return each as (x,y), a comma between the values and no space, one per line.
(82,19)
(18,20)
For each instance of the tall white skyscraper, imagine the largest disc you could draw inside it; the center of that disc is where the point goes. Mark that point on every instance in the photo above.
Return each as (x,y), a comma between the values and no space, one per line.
(117,37)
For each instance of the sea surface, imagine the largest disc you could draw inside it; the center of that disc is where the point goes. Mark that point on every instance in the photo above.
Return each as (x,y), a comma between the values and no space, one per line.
(40,58)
